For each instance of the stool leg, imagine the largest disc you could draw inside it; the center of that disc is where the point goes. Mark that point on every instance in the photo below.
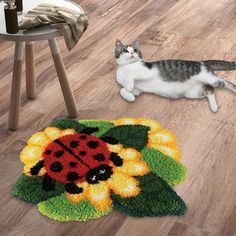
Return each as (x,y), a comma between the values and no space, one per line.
(65,86)
(16,86)
(30,75)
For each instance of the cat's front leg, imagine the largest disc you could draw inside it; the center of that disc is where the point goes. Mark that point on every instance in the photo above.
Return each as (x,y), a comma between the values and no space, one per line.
(128,96)
(136,92)
(129,84)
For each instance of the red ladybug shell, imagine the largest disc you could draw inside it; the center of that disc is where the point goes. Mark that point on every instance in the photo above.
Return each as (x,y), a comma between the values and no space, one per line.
(70,157)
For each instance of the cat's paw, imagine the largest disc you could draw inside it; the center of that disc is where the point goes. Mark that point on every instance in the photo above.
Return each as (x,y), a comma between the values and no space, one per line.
(212,102)
(214,107)
(127,95)
(129,87)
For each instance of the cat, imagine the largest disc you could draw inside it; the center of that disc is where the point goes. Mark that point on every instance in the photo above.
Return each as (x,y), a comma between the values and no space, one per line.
(169,78)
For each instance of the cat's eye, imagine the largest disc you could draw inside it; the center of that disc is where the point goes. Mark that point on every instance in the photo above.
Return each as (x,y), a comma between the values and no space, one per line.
(126,51)
(135,50)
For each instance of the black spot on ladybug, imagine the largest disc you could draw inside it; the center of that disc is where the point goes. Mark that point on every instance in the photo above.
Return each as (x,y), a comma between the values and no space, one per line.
(71,176)
(73,188)
(92,144)
(82,153)
(74,144)
(83,137)
(48,152)
(99,157)
(100,173)
(73,164)
(59,153)
(117,160)
(56,167)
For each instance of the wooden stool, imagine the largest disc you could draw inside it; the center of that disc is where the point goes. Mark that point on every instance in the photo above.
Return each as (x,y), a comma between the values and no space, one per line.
(27,38)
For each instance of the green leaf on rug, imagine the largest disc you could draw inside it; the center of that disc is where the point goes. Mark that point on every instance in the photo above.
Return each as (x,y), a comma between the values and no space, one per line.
(68,124)
(131,136)
(29,189)
(155,199)
(61,209)
(103,126)
(172,171)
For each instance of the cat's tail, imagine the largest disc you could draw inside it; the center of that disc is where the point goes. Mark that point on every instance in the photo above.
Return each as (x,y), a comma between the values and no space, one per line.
(217,65)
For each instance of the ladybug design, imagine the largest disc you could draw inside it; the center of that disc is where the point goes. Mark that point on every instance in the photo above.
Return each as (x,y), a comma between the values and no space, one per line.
(76,158)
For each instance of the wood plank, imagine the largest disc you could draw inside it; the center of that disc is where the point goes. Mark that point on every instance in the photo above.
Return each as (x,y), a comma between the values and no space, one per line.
(185,29)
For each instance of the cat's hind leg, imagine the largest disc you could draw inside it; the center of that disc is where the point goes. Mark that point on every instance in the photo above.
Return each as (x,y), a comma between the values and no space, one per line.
(218,82)
(230,86)
(223,83)
(210,95)
(203,91)
(196,92)
(128,96)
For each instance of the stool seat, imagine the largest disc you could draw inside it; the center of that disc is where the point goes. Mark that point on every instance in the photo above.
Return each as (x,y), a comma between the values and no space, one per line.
(40,33)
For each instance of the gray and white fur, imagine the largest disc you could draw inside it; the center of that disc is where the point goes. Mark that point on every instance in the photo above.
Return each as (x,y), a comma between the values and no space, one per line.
(169,78)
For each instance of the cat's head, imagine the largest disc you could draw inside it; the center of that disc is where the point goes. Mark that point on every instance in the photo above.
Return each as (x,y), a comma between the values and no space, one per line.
(126,54)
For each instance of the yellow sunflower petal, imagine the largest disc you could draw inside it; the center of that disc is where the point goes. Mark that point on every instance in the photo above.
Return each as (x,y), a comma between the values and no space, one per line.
(67,132)
(27,168)
(154,125)
(99,196)
(129,154)
(42,172)
(162,137)
(30,154)
(83,185)
(170,151)
(75,198)
(123,185)
(39,139)
(134,168)
(52,133)
(125,121)
(114,148)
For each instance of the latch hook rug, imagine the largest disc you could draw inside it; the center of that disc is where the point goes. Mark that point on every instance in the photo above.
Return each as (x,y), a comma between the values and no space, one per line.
(83,170)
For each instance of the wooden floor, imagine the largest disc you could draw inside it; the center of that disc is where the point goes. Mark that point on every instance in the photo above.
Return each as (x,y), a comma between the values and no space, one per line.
(184,29)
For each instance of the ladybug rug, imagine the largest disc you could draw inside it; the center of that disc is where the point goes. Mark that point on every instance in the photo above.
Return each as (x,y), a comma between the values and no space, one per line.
(83,170)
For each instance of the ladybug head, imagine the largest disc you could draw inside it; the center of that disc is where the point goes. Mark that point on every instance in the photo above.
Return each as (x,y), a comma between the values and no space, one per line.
(100,173)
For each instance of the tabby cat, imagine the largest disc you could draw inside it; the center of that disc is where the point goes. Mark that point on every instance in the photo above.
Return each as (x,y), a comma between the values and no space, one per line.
(169,78)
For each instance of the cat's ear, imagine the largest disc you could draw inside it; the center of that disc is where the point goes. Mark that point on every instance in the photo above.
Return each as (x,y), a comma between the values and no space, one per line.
(136,44)
(119,43)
